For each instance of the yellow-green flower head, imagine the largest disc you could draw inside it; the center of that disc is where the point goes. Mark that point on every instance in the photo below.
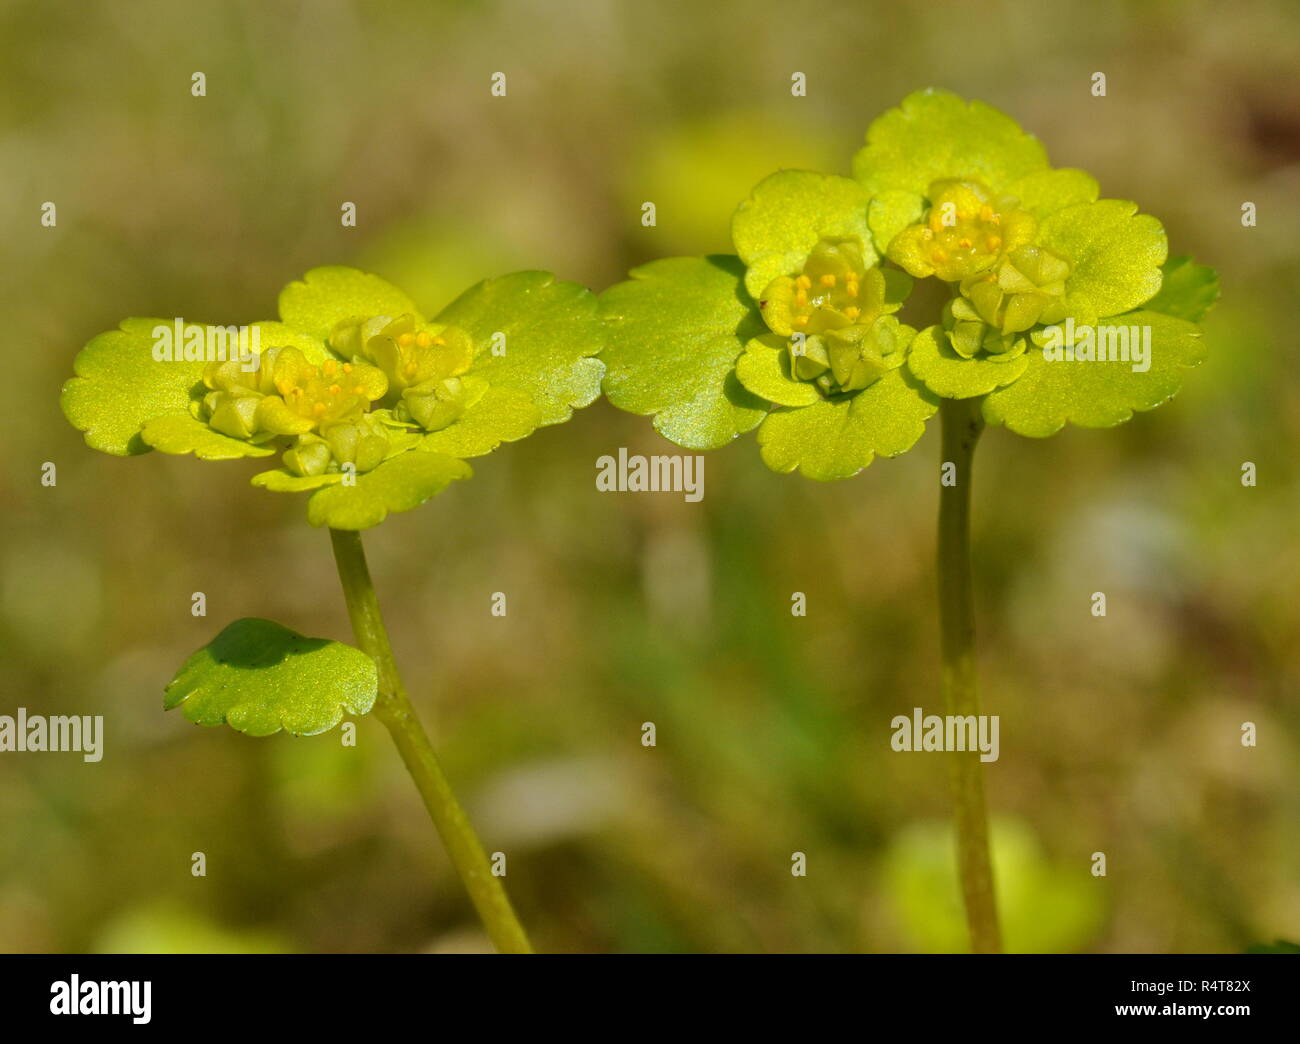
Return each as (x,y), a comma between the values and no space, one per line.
(834,312)
(966,230)
(835,289)
(793,337)
(409,352)
(370,406)
(287,395)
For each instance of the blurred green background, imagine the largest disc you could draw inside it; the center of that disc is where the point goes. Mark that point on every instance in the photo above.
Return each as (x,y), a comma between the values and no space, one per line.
(1118,735)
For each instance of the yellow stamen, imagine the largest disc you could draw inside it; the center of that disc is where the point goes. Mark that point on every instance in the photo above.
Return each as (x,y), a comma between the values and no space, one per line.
(803,281)
(406,340)
(986,213)
(335,389)
(853,311)
(423,339)
(994,242)
(318,409)
(329,367)
(347,367)
(828,279)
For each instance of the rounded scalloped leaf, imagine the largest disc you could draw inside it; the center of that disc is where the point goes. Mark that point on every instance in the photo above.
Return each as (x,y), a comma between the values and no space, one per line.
(1115,255)
(552,333)
(1047,191)
(764,369)
(398,484)
(127,402)
(891,212)
(837,438)
(1188,290)
(259,677)
(950,376)
(325,296)
(673,334)
(1090,394)
(271,334)
(503,414)
(119,387)
(934,134)
(182,433)
(282,480)
(785,216)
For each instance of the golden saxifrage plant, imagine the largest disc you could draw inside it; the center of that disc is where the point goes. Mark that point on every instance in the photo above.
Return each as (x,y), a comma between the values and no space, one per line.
(372,408)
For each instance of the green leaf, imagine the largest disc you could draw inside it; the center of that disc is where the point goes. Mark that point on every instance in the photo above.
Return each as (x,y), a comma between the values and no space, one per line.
(1115,254)
(1051,394)
(326,296)
(934,134)
(890,213)
(398,484)
(837,438)
(127,402)
(786,215)
(271,334)
(282,480)
(181,433)
(1188,292)
(552,330)
(502,415)
(119,387)
(764,369)
(1047,191)
(950,376)
(674,332)
(259,677)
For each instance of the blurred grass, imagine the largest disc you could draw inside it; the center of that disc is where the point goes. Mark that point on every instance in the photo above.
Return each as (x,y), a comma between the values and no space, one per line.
(1119,734)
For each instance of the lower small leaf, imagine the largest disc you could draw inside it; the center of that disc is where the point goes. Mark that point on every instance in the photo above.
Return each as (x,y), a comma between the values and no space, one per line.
(259,677)
(398,484)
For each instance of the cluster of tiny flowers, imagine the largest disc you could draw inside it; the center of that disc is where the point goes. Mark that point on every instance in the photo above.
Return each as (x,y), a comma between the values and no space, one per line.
(834,312)
(983,243)
(403,376)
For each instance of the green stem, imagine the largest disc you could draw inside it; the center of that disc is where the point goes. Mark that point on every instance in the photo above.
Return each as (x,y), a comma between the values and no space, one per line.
(394,709)
(961,423)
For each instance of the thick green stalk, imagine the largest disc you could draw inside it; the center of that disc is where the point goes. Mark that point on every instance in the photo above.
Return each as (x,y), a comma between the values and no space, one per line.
(394,709)
(961,423)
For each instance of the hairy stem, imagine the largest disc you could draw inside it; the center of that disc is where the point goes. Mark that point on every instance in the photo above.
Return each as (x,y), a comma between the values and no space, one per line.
(961,423)
(394,709)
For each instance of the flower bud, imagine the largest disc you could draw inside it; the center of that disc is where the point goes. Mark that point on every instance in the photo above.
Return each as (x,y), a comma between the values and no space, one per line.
(362,442)
(861,354)
(232,414)
(1027,287)
(309,455)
